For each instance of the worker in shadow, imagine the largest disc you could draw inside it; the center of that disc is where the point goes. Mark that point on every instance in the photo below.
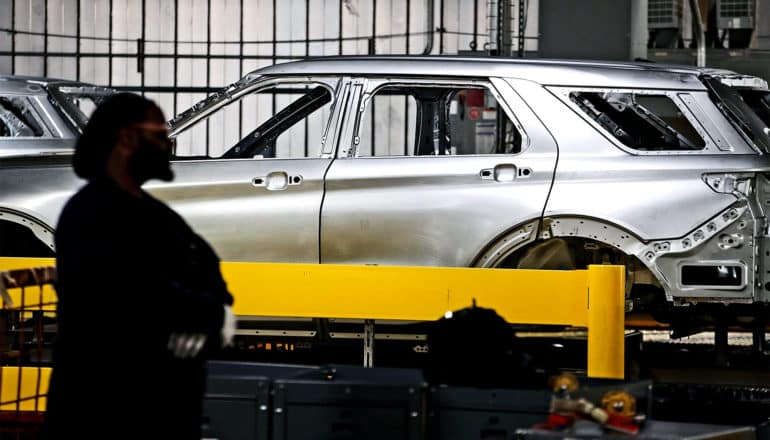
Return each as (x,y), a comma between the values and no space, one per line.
(141,301)
(476,347)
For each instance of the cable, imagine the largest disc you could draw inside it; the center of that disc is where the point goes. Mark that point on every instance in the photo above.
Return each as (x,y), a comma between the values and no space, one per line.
(133,40)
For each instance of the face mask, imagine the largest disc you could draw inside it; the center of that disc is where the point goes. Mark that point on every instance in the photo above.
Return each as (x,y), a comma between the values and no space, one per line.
(151,159)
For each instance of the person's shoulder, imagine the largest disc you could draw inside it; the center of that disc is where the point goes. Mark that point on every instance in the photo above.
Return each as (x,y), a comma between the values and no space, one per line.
(92,201)
(80,198)
(91,192)
(161,208)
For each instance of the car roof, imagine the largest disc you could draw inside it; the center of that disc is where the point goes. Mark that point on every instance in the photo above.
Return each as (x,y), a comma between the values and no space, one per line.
(29,84)
(544,71)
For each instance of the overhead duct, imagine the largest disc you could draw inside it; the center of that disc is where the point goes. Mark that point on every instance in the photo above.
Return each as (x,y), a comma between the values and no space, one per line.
(664,21)
(738,19)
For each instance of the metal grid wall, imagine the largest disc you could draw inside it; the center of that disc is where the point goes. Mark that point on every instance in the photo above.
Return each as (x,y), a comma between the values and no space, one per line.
(178,51)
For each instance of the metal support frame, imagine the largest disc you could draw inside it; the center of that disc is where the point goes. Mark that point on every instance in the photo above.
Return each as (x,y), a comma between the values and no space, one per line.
(368,343)
(499,22)
(700,34)
(77,42)
(109,44)
(721,341)
(759,334)
(208,68)
(522,26)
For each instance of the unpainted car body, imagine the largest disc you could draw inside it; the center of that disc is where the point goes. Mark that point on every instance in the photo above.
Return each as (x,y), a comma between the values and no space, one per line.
(503,163)
(43,116)
(39,118)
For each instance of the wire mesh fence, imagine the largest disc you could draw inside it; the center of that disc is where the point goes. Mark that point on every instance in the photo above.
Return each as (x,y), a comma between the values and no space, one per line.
(27,329)
(178,51)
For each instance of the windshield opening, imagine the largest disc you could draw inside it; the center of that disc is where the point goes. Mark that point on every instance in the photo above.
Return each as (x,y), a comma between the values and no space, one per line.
(262,140)
(749,115)
(278,121)
(77,103)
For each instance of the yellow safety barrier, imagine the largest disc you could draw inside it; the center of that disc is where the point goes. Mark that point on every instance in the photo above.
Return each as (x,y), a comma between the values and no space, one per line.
(30,299)
(592,298)
(23,388)
(26,297)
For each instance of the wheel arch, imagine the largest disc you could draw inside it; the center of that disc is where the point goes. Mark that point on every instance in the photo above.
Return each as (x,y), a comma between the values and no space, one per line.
(565,226)
(13,221)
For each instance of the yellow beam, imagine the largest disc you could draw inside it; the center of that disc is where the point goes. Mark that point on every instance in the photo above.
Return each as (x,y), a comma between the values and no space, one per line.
(592,298)
(405,293)
(12,263)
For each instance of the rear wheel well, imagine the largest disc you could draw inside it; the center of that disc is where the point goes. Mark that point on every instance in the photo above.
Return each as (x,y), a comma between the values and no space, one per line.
(571,253)
(20,241)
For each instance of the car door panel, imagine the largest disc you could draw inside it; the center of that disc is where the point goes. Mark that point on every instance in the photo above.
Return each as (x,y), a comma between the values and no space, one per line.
(262,209)
(423,210)
(243,219)
(434,210)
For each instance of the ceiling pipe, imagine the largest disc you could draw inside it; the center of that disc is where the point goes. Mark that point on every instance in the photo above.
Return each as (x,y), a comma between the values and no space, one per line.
(700,34)
(431,5)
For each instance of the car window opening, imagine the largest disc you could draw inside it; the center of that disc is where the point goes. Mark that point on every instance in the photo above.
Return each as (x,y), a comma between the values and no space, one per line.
(76,103)
(759,102)
(435,121)
(274,120)
(641,122)
(745,117)
(262,140)
(16,119)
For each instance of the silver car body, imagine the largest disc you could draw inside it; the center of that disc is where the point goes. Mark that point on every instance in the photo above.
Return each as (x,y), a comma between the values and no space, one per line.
(689,223)
(48,117)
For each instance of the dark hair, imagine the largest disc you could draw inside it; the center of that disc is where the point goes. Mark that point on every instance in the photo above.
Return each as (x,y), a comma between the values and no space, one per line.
(101,132)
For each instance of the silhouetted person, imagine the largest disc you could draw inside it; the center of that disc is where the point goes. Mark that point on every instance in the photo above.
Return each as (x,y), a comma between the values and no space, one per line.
(141,301)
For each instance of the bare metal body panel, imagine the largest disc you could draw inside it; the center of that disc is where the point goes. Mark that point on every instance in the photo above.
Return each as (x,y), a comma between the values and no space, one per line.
(247,222)
(52,103)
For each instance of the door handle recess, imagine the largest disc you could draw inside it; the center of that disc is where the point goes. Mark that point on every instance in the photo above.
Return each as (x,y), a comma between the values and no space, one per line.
(505,173)
(277,180)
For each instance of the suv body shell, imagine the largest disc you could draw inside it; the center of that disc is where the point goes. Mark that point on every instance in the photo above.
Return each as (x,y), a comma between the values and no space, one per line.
(40,119)
(666,213)
(51,103)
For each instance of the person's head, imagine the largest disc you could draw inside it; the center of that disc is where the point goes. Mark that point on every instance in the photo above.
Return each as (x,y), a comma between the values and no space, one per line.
(127,134)
(475,347)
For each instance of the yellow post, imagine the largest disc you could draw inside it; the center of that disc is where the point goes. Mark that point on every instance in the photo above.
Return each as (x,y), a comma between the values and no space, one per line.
(606,322)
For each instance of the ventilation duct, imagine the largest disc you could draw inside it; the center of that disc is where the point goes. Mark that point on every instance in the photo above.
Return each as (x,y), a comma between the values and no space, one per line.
(664,21)
(738,18)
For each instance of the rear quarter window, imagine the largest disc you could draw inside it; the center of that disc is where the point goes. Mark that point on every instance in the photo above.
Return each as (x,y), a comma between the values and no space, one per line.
(641,121)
